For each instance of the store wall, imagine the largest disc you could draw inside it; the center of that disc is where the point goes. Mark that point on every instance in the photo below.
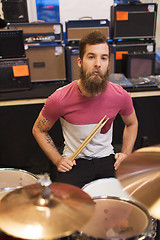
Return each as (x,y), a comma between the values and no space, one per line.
(32,12)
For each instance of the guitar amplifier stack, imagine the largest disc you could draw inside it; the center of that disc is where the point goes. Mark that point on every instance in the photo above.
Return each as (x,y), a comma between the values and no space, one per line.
(44,49)
(14,68)
(132,30)
(75,29)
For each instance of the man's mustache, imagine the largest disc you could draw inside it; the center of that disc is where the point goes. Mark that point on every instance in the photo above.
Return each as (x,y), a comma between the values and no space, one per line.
(92,72)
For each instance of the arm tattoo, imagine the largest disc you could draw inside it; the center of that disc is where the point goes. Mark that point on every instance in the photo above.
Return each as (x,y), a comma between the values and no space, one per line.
(44,125)
(49,139)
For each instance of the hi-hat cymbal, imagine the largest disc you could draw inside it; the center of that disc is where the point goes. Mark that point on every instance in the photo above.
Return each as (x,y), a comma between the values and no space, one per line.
(40,212)
(139,175)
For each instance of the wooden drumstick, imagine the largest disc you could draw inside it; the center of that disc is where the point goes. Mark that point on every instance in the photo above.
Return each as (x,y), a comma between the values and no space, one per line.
(89,138)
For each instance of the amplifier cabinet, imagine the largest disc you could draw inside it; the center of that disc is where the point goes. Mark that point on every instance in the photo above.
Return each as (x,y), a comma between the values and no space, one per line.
(46,62)
(133,20)
(139,65)
(14,74)
(15,10)
(39,32)
(11,44)
(130,47)
(72,69)
(75,29)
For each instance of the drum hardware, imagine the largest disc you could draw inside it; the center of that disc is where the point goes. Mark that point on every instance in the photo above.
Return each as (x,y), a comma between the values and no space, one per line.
(45,181)
(45,212)
(139,175)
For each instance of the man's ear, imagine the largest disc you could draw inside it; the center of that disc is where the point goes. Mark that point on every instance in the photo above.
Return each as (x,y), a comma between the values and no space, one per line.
(79,62)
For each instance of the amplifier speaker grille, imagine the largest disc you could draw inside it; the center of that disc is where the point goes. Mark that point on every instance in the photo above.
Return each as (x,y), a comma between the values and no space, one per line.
(47,63)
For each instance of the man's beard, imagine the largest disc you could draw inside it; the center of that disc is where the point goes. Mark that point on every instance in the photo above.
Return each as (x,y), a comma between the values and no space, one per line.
(94,84)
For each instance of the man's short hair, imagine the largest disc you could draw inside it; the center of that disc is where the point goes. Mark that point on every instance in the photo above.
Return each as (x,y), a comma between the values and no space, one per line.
(95,37)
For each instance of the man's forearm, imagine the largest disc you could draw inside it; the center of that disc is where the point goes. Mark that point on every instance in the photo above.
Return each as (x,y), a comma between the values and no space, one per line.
(47,145)
(129,138)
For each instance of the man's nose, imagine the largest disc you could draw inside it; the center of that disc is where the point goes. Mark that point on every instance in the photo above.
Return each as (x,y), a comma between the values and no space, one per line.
(97,63)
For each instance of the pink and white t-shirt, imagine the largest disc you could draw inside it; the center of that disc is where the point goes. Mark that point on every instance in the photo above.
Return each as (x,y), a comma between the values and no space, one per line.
(79,115)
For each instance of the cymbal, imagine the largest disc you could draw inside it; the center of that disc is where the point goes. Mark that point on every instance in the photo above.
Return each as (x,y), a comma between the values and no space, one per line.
(155,148)
(45,212)
(141,159)
(139,175)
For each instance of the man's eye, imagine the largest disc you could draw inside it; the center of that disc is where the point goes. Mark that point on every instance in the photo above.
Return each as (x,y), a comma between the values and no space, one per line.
(91,57)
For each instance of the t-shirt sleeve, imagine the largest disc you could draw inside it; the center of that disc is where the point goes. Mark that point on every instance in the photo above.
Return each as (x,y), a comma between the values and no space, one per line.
(127,106)
(51,109)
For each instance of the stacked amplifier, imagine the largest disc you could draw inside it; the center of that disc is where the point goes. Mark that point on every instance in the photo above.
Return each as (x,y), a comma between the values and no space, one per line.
(75,29)
(132,30)
(44,49)
(14,69)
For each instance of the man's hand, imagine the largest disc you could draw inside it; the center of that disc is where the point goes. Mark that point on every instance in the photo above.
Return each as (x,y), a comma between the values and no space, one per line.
(119,158)
(65,164)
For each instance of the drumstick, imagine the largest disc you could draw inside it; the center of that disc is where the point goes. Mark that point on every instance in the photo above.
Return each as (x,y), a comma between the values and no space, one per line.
(89,138)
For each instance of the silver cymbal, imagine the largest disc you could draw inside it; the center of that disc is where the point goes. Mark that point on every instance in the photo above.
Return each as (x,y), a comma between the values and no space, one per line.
(40,212)
(139,175)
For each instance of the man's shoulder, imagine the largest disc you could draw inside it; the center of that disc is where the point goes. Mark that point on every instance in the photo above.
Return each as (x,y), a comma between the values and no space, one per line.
(67,87)
(115,88)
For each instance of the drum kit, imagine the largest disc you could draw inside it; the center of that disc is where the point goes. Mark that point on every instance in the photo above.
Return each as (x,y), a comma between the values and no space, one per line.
(123,208)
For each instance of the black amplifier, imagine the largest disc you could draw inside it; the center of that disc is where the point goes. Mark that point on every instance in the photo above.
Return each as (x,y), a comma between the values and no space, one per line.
(75,29)
(72,69)
(14,75)
(139,65)
(15,10)
(133,20)
(46,62)
(39,32)
(11,44)
(126,47)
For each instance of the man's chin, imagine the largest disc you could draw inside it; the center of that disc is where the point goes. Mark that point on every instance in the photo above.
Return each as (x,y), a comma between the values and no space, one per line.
(94,84)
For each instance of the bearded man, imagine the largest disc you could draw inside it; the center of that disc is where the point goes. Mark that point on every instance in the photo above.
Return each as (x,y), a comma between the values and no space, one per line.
(80,105)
